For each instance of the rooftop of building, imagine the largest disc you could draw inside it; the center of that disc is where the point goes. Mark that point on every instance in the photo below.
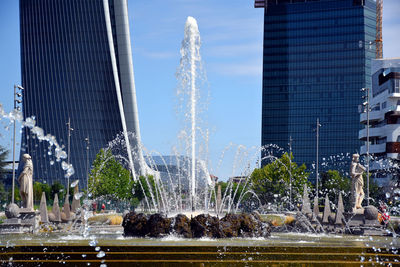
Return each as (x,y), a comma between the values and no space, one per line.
(384,63)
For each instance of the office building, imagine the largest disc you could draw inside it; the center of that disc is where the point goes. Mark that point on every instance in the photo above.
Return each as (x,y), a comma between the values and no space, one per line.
(76,66)
(316,58)
(384,121)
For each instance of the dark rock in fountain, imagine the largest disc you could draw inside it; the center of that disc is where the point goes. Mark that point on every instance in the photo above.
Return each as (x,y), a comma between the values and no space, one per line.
(135,224)
(158,225)
(244,225)
(182,226)
(205,225)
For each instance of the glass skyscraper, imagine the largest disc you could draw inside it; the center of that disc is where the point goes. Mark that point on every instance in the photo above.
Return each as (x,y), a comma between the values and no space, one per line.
(76,65)
(317,56)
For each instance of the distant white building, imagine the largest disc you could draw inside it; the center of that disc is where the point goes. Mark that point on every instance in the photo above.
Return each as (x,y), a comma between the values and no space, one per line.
(384,120)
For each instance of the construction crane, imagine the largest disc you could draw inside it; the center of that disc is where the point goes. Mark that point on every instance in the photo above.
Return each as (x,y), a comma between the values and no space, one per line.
(378,40)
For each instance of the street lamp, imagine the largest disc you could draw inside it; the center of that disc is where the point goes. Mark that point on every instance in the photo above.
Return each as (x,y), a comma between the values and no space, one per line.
(366,105)
(317,156)
(87,162)
(69,150)
(290,170)
(19,101)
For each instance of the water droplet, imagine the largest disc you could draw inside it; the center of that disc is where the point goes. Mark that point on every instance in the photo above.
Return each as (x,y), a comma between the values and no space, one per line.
(97,249)
(77,196)
(101,254)
(51,162)
(92,243)
(387,195)
(83,255)
(64,165)
(74,183)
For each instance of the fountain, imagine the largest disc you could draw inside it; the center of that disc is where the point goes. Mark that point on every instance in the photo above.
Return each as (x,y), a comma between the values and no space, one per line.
(243,238)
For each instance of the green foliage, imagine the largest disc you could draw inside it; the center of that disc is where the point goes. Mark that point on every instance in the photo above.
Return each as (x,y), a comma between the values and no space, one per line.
(271,183)
(3,195)
(38,189)
(231,191)
(109,178)
(375,192)
(139,194)
(134,202)
(3,157)
(57,188)
(332,182)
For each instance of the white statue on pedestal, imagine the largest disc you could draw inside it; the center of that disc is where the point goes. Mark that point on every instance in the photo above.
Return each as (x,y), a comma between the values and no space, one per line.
(356,171)
(26,183)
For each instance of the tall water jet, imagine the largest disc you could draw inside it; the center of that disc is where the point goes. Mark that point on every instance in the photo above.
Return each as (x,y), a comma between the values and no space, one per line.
(190,63)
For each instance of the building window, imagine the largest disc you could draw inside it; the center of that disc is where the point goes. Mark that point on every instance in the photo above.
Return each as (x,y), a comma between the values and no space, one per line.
(381,140)
(397,85)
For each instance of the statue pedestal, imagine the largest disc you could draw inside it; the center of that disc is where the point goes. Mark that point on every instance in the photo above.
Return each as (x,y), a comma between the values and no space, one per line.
(364,221)
(26,222)
(354,219)
(358,211)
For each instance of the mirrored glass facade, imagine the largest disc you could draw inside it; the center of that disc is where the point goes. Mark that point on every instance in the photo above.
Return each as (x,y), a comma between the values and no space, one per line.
(317,57)
(67,74)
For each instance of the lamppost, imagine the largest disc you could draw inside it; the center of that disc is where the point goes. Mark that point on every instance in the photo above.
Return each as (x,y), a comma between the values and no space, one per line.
(366,104)
(290,171)
(19,101)
(87,162)
(69,150)
(317,159)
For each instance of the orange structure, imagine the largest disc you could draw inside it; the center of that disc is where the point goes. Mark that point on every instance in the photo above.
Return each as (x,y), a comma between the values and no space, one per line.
(378,40)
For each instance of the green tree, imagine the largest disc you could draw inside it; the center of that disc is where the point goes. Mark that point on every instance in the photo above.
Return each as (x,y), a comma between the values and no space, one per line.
(109,178)
(3,157)
(138,192)
(17,196)
(59,189)
(375,192)
(3,195)
(332,182)
(231,191)
(271,183)
(38,189)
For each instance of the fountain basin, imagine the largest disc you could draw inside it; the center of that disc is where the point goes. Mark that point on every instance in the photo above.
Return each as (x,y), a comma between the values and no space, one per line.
(279,248)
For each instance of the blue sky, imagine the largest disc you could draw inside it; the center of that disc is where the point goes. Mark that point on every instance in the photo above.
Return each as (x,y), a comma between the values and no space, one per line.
(231,33)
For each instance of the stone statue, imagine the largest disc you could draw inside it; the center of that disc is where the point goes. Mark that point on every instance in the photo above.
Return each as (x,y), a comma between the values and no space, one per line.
(356,171)
(26,183)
